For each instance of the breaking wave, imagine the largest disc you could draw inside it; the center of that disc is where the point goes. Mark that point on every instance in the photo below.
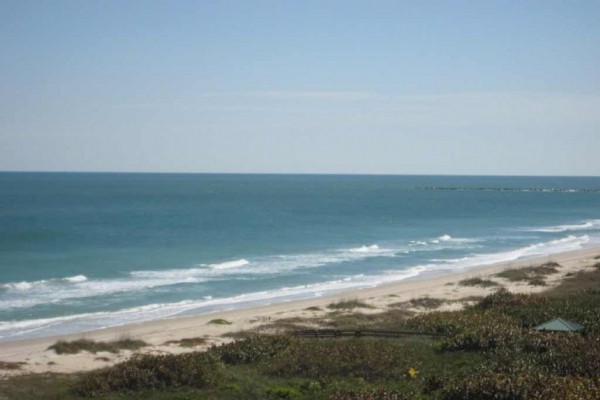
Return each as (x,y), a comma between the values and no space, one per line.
(19,295)
(568,243)
(365,249)
(43,282)
(587,225)
(230,264)
(88,321)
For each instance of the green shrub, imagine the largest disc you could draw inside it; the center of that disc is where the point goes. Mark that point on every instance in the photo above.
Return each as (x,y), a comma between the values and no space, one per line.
(522,386)
(340,358)
(283,392)
(503,299)
(373,394)
(152,372)
(252,349)
(556,353)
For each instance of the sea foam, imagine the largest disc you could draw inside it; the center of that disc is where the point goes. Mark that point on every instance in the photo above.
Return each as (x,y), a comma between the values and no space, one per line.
(568,243)
(42,327)
(230,264)
(365,249)
(42,282)
(587,225)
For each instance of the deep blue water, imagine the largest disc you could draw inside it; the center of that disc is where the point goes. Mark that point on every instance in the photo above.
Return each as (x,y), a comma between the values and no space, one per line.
(82,251)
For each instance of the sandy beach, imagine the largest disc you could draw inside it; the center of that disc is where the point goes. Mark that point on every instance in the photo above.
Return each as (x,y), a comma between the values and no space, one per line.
(163,335)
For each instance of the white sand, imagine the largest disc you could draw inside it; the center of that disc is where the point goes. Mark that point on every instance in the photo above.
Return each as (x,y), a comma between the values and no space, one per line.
(36,358)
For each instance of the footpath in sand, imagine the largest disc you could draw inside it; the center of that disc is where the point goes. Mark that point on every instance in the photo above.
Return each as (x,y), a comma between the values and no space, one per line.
(448,292)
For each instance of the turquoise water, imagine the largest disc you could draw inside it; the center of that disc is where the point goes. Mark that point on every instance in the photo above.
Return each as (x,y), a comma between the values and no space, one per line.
(84,251)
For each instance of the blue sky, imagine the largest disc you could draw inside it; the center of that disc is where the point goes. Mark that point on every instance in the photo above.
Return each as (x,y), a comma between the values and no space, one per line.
(398,87)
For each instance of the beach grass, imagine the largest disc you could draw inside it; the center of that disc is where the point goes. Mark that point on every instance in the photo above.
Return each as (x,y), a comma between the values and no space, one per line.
(582,281)
(219,321)
(188,342)
(91,346)
(11,365)
(313,308)
(532,275)
(426,302)
(283,325)
(478,282)
(348,304)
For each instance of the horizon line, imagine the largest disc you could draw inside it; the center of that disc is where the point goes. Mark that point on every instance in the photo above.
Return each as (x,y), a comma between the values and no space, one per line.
(289,173)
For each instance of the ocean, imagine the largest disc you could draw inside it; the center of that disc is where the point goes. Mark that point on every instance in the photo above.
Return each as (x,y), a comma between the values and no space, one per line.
(82,251)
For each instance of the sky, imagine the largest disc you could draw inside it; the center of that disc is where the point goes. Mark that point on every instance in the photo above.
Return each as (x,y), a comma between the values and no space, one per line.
(365,87)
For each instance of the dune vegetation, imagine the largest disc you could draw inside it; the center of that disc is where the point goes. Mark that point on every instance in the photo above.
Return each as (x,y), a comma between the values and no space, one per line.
(489,351)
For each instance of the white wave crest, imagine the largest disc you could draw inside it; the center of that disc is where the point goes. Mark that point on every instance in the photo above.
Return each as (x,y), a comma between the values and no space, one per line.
(568,243)
(230,264)
(587,225)
(10,330)
(365,249)
(76,278)
(17,286)
(276,264)
(31,294)
(449,239)
(21,286)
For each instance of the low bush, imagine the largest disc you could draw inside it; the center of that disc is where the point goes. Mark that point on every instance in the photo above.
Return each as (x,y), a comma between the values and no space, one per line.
(283,392)
(373,394)
(340,358)
(153,372)
(254,348)
(523,386)
(555,353)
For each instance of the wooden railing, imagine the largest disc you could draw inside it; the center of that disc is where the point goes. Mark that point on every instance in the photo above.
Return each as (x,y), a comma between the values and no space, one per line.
(336,333)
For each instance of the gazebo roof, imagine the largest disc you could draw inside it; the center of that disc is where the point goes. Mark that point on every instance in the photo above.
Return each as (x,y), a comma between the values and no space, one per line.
(560,325)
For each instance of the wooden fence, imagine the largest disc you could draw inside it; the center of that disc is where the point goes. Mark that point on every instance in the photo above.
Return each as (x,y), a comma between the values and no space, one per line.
(336,333)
